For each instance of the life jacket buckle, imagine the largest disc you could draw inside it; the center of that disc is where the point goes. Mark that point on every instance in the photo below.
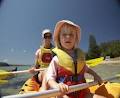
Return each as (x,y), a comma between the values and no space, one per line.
(61,79)
(75,78)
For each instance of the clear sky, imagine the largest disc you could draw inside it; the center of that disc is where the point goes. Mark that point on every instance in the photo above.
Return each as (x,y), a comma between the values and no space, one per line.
(22,21)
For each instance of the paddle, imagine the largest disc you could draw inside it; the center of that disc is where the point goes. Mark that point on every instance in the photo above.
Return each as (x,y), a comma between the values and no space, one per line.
(3,74)
(3,81)
(56,92)
(6,74)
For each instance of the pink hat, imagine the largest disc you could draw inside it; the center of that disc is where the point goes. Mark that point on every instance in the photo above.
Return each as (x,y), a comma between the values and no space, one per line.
(58,27)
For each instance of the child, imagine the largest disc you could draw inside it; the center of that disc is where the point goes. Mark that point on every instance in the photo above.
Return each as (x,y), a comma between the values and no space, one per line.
(68,65)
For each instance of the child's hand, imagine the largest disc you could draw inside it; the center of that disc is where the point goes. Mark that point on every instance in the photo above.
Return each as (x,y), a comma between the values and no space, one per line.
(32,70)
(63,87)
(65,96)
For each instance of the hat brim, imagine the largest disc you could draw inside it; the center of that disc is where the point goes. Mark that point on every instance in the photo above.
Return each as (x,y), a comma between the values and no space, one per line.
(58,27)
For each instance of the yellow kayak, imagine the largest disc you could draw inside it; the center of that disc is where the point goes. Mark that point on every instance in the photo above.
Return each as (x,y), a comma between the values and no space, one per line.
(30,86)
(94,62)
(110,90)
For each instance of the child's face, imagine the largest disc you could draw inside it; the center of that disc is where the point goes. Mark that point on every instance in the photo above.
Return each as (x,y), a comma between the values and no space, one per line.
(67,37)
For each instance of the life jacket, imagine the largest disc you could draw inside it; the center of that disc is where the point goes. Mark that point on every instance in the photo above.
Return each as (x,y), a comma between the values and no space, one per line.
(69,71)
(46,57)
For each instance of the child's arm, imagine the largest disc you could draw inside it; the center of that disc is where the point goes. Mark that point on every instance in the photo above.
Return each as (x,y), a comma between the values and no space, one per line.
(63,87)
(95,75)
(51,76)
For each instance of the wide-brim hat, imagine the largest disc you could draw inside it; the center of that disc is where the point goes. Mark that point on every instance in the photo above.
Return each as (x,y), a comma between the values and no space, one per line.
(58,27)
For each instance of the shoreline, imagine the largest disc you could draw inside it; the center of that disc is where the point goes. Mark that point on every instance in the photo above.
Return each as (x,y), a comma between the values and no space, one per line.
(111,62)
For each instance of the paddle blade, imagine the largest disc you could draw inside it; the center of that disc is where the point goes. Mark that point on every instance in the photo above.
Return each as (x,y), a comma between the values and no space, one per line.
(3,82)
(5,75)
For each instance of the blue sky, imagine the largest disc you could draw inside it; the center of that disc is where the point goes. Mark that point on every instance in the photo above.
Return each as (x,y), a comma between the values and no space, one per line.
(22,21)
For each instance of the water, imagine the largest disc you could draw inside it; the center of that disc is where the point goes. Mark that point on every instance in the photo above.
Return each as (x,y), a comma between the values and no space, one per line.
(14,84)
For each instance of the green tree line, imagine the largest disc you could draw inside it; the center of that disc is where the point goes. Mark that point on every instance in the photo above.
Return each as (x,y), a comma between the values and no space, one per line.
(110,48)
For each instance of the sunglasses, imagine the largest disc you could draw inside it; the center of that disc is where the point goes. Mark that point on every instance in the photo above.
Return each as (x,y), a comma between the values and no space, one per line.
(48,37)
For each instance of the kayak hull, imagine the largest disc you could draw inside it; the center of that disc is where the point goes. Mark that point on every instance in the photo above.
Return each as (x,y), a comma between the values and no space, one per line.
(109,90)
(30,86)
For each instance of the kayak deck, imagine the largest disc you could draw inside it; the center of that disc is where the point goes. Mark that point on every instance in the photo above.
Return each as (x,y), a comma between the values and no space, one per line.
(109,90)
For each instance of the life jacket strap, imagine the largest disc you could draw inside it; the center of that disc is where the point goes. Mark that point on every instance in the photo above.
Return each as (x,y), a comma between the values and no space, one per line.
(71,78)
(36,78)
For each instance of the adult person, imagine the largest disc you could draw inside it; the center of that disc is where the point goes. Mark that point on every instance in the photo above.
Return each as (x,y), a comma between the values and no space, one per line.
(43,56)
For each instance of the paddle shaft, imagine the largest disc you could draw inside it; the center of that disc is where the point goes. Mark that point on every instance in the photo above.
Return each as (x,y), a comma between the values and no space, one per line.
(51,93)
(27,71)
(56,92)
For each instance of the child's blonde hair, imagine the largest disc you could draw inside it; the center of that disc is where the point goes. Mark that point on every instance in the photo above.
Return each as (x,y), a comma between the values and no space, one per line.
(60,25)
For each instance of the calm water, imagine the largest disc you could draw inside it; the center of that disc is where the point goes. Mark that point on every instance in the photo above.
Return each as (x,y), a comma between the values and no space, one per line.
(14,84)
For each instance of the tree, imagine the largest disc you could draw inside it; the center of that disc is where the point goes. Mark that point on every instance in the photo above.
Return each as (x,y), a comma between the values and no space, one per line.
(111,48)
(93,50)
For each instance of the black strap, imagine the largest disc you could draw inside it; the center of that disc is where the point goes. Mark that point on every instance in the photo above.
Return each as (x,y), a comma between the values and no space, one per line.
(75,61)
(36,78)
(76,78)
(53,54)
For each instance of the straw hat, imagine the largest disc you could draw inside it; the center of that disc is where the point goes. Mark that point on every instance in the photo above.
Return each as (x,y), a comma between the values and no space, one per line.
(57,31)
(45,31)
